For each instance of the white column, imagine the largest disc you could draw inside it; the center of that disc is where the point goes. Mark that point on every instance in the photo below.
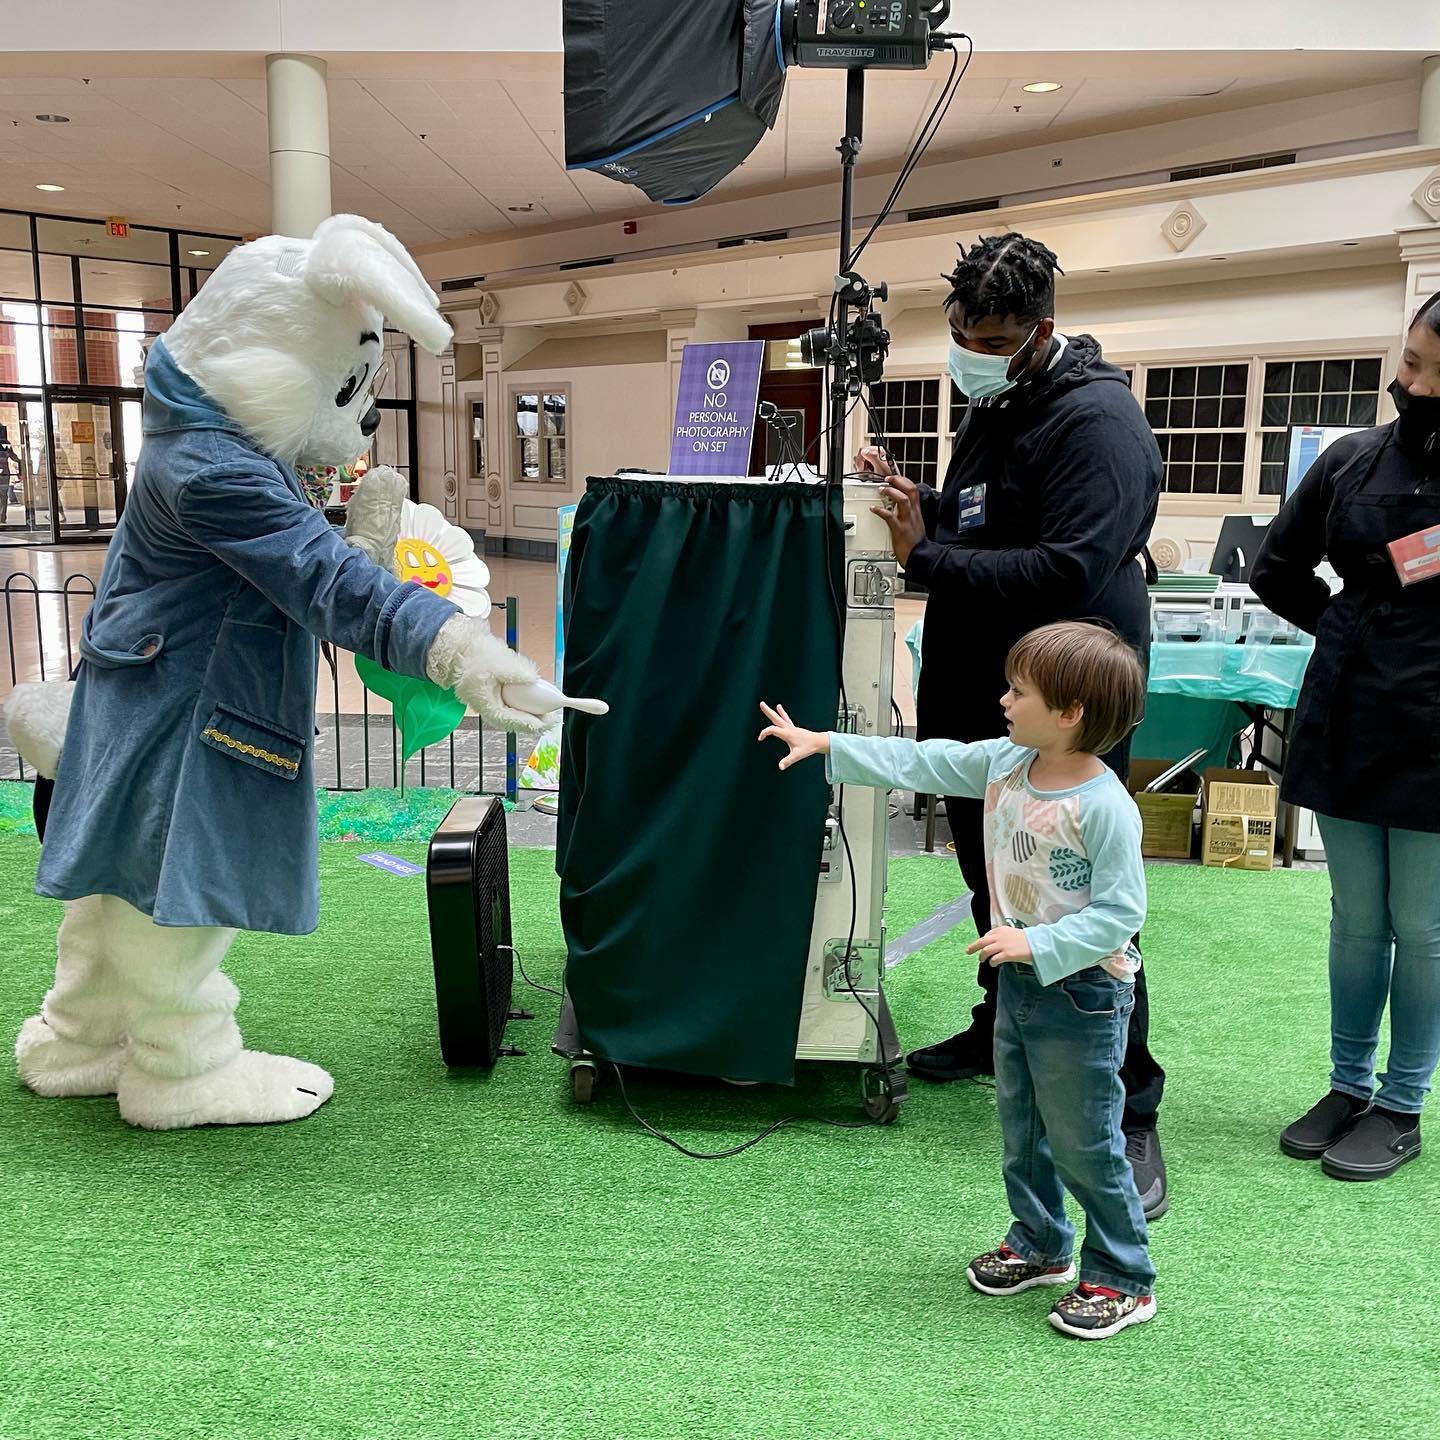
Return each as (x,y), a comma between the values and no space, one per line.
(1420,254)
(299,120)
(1429,128)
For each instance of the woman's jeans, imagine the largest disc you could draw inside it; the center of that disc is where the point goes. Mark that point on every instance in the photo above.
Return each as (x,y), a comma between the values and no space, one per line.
(1384,945)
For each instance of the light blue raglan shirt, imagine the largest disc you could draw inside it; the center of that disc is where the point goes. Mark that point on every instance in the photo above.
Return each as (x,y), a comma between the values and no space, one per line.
(1064,865)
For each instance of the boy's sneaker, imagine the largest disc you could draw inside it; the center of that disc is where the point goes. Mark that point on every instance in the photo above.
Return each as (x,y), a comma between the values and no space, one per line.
(1092,1312)
(1003,1272)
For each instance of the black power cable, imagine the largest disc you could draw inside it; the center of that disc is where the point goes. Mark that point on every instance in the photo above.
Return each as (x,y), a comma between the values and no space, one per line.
(928,131)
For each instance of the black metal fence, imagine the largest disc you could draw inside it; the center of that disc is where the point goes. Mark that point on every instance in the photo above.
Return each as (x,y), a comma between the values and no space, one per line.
(353,750)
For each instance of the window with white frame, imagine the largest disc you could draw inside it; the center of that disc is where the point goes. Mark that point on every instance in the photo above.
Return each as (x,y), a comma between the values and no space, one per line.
(914,419)
(540,434)
(1224,425)
(1198,415)
(904,416)
(1311,392)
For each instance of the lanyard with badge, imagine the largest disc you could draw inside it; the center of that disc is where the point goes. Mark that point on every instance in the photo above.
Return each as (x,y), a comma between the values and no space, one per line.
(972,507)
(1416,557)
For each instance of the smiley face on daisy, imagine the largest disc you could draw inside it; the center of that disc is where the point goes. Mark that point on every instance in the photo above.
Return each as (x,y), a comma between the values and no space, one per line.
(440,556)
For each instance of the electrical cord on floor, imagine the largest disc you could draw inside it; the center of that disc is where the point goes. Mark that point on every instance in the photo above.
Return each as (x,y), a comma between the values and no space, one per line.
(525,975)
(733,1150)
(670,1140)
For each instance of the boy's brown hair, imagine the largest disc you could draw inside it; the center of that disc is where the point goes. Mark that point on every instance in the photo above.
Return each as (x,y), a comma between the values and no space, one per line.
(1073,663)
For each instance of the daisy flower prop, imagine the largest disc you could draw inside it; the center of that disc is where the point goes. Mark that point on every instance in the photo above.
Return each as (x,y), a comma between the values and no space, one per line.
(440,556)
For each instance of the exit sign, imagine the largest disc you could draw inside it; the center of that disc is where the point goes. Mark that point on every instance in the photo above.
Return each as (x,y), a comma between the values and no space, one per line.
(118,227)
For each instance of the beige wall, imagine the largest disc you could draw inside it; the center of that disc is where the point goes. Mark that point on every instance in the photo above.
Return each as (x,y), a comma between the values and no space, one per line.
(618,415)
(1303,261)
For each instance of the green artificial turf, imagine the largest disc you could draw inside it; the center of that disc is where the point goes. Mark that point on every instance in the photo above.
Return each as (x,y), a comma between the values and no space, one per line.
(438,1254)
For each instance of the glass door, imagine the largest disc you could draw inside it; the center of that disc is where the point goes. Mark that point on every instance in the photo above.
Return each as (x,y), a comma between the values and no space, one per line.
(24,474)
(89,464)
(129,441)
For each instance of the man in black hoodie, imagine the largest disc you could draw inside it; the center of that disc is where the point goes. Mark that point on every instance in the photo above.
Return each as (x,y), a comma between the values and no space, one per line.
(1052,489)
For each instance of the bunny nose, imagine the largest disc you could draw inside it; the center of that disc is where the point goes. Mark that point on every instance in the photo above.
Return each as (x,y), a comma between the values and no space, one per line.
(370,422)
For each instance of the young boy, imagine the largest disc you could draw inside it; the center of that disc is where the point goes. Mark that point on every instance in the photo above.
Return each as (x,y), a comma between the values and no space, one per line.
(1067,883)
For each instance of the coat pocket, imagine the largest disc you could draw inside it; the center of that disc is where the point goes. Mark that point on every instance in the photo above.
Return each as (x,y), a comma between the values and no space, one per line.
(142,652)
(260,743)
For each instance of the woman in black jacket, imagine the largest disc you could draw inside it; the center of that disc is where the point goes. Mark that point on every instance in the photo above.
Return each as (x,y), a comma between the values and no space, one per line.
(1365,755)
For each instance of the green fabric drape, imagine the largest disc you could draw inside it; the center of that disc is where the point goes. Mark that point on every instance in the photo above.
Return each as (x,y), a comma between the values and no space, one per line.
(688,861)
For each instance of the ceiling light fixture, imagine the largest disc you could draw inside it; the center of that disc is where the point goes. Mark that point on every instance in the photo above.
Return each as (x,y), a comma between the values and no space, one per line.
(1042,87)
(53,119)
(51,189)
(197,252)
(520,209)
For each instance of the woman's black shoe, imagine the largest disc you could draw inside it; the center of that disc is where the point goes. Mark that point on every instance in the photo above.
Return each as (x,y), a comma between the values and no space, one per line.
(1381,1142)
(1322,1125)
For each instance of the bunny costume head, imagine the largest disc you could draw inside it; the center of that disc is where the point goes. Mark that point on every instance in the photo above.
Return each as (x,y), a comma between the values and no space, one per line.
(286,336)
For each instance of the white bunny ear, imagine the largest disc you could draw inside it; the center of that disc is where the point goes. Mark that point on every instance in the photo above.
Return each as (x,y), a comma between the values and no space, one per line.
(353,258)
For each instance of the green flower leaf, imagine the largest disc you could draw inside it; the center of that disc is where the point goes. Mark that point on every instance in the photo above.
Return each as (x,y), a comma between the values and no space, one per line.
(424,713)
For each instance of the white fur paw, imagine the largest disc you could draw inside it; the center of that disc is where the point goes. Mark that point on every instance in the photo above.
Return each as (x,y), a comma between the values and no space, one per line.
(53,1066)
(373,516)
(469,659)
(35,717)
(252,1089)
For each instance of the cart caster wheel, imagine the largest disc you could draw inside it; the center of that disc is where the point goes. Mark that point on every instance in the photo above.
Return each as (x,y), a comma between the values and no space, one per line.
(877,1096)
(881,1109)
(582,1084)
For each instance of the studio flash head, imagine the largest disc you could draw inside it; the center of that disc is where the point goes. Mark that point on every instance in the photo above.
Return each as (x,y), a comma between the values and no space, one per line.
(861,34)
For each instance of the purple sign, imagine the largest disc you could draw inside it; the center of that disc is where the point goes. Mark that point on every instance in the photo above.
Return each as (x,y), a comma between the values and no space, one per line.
(381,861)
(715,410)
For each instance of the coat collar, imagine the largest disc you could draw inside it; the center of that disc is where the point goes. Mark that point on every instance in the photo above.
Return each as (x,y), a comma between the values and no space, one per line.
(173,401)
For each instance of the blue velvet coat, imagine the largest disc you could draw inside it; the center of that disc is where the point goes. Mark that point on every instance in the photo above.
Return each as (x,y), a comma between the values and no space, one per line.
(186,786)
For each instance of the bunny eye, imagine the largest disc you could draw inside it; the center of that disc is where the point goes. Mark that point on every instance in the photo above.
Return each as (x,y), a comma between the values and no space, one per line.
(351,387)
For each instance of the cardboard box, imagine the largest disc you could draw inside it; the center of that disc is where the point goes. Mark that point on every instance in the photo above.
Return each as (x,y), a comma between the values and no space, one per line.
(1240,807)
(1168,819)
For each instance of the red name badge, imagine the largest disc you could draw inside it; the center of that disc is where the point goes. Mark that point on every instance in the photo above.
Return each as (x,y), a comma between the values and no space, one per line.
(1417,557)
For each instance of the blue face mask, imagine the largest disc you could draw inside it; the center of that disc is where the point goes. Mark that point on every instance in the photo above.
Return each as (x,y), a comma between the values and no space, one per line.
(979,376)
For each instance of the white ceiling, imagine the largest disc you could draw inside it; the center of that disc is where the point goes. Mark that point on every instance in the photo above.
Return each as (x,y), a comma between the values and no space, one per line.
(443,159)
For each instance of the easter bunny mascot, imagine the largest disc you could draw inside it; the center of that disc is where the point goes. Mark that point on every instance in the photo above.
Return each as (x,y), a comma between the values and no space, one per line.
(184,795)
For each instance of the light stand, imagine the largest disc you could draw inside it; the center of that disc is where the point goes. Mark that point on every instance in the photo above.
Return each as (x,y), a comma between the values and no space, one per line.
(854,351)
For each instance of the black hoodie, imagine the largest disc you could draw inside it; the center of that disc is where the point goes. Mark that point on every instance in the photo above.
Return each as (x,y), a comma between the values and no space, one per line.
(1072,476)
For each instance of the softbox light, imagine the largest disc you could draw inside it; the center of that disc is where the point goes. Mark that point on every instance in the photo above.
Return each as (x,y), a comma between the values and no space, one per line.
(669,95)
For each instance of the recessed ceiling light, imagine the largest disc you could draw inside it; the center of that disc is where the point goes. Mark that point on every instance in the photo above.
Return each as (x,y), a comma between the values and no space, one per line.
(1102,272)
(1349,244)
(197,252)
(53,119)
(1042,87)
(52,189)
(1219,257)
(520,209)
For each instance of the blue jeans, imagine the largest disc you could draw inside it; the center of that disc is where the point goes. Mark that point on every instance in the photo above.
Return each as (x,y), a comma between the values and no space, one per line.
(1384,945)
(1058,1050)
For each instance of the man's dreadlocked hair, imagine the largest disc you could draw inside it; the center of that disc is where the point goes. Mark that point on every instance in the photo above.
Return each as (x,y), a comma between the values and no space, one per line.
(1005,275)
